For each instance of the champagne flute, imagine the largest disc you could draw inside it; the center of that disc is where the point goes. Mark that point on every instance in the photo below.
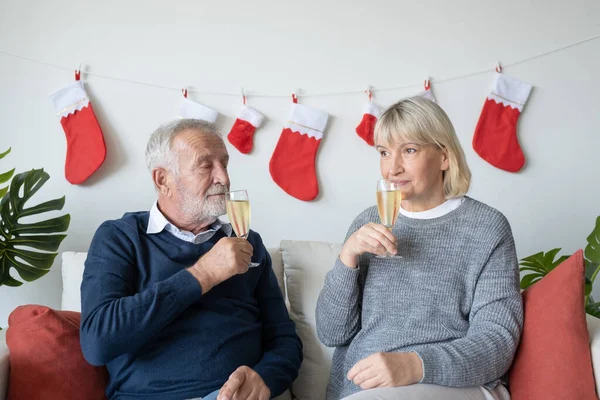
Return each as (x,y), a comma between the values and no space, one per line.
(238,211)
(388,205)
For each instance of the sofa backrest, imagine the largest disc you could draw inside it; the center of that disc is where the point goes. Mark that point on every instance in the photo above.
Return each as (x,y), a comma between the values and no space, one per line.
(305,265)
(72,275)
(300,267)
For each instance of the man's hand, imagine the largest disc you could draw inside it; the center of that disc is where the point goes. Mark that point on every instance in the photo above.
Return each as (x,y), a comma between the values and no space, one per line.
(228,257)
(387,370)
(244,384)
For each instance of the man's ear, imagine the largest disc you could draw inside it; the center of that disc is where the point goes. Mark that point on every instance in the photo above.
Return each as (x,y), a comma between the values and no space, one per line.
(162,181)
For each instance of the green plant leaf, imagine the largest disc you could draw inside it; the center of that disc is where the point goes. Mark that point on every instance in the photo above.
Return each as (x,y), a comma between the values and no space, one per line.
(5,177)
(549,258)
(40,242)
(534,258)
(592,250)
(530,279)
(540,264)
(20,243)
(591,270)
(593,309)
(588,287)
(560,260)
(594,305)
(523,269)
(2,155)
(52,205)
(533,266)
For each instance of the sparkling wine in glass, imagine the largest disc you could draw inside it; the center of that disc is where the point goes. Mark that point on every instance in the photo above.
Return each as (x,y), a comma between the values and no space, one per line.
(238,210)
(388,205)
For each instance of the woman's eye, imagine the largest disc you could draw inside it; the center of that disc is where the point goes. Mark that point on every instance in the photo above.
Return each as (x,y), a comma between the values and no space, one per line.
(383,153)
(410,150)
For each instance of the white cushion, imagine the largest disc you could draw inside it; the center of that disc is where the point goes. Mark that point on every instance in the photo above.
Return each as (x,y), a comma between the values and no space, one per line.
(305,265)
(593,325)
(4,365)
(72,275)
(277,264)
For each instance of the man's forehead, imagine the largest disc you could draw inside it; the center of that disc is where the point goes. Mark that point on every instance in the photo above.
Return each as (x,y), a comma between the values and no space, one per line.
(201,144)
(210,152)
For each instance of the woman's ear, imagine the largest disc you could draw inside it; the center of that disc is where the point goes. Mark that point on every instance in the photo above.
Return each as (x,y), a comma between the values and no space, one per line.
(445,161)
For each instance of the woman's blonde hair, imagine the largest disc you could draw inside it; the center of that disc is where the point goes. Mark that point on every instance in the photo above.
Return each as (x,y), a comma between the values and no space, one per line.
(421,121)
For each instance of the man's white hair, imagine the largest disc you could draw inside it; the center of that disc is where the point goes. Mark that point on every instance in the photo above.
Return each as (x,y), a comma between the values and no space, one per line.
(158,149)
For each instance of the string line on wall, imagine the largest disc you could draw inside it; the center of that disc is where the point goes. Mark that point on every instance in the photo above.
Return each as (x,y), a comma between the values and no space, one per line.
(306,94)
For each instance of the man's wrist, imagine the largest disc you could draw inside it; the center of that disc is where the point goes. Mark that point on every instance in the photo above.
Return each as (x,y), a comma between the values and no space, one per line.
(205,280)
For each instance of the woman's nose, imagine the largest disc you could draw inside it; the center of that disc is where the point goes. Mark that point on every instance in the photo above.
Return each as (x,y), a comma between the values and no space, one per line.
(396,167)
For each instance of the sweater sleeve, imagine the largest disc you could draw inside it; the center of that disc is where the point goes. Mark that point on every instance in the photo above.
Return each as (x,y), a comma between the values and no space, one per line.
(282,348)
(115,319)
(495,324)
(340,301)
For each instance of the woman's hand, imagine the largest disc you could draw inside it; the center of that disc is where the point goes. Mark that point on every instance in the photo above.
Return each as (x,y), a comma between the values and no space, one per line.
(370,238)
(387,370)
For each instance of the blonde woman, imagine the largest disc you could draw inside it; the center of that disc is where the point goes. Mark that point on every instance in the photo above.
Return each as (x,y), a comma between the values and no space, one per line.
(443,321)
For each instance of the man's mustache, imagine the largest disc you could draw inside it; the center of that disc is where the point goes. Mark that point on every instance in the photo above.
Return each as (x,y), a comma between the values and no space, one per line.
(217,189)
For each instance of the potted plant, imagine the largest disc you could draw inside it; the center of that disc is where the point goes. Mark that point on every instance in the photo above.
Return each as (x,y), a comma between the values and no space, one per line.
(540,264)
(27,247)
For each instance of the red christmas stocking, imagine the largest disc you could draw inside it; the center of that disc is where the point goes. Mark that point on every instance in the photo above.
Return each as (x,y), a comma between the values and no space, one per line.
(371,113)
(242,131)
(292,165)
(85,143)
(495,138)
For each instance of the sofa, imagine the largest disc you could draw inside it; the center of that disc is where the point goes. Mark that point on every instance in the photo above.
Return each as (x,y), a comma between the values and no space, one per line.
(300,267)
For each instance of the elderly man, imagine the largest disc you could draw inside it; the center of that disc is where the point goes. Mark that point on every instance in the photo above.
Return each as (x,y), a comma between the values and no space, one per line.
(169,304)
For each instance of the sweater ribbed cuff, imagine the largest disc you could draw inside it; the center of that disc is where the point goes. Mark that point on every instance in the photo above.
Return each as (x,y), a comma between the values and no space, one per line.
(431,371)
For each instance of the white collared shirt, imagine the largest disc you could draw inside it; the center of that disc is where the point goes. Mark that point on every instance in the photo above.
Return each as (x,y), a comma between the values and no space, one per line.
(157,222)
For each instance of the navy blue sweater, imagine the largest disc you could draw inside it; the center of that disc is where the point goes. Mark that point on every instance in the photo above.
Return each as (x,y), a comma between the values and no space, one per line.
(145,317)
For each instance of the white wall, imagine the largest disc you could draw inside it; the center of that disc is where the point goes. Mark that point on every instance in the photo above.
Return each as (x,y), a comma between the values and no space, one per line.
(276,46)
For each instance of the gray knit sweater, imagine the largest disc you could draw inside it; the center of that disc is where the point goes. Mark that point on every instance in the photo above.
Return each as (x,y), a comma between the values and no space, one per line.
(453,299)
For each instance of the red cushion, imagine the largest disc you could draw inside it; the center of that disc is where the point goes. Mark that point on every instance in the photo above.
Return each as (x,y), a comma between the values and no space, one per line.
(45,357)
(553,360)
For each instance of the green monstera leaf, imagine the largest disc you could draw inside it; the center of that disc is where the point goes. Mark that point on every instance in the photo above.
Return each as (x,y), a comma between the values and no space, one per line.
(20,242)
(5,177)
(539,265)
(592,259)
(592,250)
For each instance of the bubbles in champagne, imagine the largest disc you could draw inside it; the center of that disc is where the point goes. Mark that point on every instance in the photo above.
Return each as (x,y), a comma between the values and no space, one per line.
(238,212)
(388,205)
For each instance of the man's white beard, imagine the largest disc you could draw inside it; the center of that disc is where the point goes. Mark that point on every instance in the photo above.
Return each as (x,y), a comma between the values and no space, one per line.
(208,208)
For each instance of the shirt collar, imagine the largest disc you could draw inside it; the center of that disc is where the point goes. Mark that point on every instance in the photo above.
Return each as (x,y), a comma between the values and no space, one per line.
(157,222)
